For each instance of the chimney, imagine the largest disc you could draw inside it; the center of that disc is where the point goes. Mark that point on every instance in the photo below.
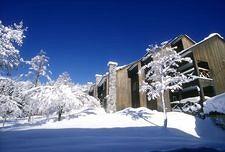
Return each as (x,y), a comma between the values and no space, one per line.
(111,100)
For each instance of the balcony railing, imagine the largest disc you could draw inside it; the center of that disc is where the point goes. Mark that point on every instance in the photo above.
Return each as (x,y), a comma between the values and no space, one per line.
(205,73)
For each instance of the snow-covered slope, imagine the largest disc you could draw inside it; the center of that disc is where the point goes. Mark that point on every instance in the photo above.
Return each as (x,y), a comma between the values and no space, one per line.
(127,130)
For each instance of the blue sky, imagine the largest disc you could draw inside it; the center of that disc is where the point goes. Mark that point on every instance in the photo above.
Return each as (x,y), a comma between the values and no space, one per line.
(81,36)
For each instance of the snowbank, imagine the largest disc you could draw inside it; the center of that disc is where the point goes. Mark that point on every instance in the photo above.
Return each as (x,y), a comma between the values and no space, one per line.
(215,104)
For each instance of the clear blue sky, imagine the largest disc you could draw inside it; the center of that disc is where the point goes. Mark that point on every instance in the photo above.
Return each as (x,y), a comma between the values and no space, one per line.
(81,36)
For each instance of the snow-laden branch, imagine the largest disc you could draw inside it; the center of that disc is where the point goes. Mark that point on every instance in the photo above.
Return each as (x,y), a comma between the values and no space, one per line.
(9,54)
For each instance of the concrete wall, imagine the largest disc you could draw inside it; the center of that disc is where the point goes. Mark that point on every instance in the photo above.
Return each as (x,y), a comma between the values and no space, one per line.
(143,100)
(112,78)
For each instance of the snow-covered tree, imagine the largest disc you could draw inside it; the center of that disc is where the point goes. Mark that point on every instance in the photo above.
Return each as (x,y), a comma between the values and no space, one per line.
(64,79)
(39,67)
(9,101)
(12,97)
(27,105)
(8,108)
(55,97)
(63,99)
(35,100)
(85,87)
(58,97)
(20,87)
(82,95)
(162,73)
(9,54)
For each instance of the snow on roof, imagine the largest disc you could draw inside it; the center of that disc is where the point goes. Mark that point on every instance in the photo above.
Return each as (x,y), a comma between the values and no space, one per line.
(98,75)
(112,63)
(121,67)
(103,78)
(174,39)
(213,34)
(206,38)
(189,38)
(146,56)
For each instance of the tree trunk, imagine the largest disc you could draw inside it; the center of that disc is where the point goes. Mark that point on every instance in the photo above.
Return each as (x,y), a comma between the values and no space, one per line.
(4,122)
(164,109)
(29,118)
(36,80)
(60,115)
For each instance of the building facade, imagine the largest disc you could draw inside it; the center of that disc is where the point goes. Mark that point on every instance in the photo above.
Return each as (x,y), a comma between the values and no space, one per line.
(119,87)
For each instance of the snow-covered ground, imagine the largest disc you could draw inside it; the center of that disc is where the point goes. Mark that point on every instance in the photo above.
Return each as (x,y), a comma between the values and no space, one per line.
(127,130)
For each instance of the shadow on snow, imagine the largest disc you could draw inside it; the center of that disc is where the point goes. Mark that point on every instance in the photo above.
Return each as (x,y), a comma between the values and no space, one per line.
(134,139)
(141,114)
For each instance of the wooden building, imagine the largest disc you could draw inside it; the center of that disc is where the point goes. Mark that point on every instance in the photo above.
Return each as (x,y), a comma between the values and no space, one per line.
(208,65)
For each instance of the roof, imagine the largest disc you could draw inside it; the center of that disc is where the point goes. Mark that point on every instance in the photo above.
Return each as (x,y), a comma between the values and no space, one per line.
(180,37)
(169,42)
(205,39)
(131,65)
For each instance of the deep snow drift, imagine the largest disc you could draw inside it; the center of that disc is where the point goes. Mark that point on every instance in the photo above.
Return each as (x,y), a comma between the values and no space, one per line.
(127,130)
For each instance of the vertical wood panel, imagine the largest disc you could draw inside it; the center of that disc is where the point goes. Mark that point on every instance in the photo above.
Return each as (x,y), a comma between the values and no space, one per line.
(123,89)
(213,52)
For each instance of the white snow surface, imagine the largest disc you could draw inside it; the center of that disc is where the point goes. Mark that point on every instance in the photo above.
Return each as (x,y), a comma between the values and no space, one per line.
(130,130)
(215,104)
